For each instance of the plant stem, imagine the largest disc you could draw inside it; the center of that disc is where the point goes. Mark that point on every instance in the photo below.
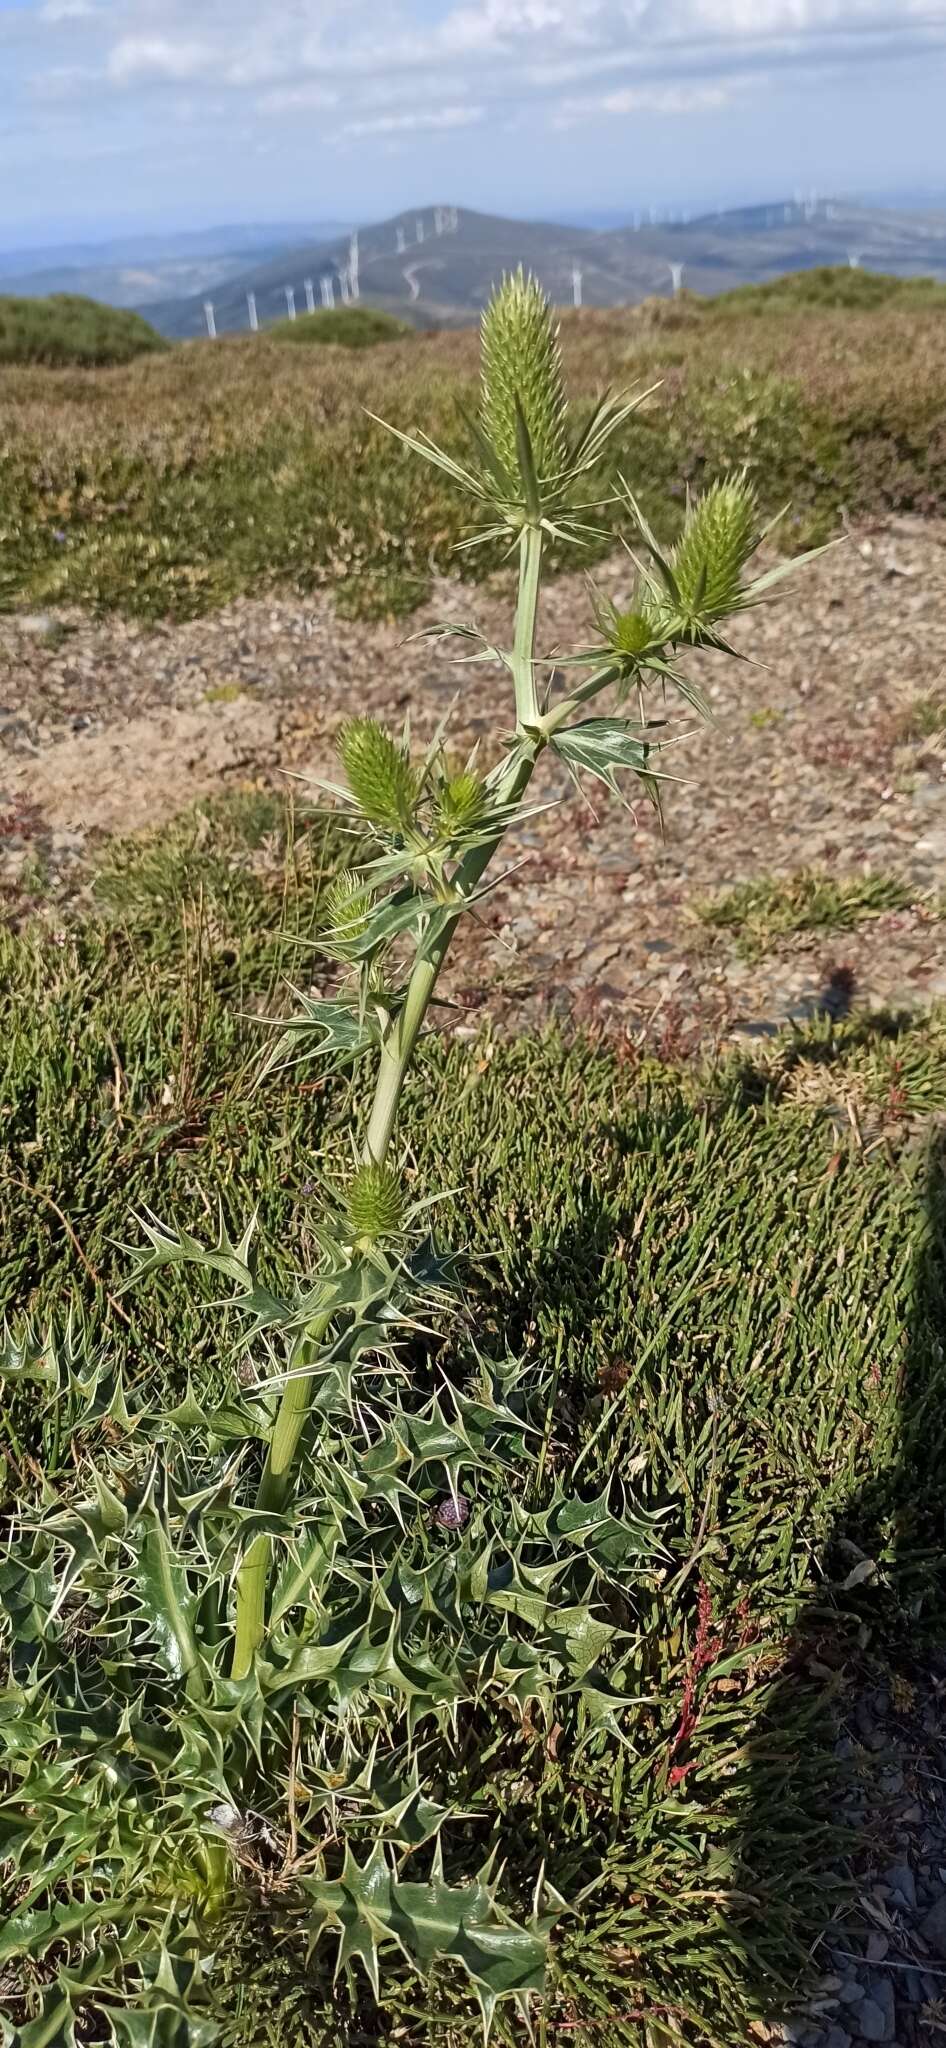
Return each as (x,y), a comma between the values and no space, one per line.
(398,1050)
(523,653)
(253,1576)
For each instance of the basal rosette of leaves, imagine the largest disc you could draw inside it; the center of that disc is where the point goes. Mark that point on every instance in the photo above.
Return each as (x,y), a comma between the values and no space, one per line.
(245,1644)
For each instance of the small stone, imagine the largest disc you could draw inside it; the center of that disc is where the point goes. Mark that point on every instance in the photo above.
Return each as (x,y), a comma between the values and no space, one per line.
(913,1986)
(872,2021)
(851,1991)
(882,1993)
(35,622)
(933,1928)
(901,1880)
(877,1946)
(836,2038)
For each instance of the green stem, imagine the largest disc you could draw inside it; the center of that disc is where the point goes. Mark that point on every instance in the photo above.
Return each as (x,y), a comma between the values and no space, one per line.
(253,1576)
(523,652)
(398,1050)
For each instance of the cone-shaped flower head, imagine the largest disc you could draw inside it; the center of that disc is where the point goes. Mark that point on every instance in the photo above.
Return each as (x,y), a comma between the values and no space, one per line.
(375,1203)
(718,538)
(460,801)
(520,360)
(382,780)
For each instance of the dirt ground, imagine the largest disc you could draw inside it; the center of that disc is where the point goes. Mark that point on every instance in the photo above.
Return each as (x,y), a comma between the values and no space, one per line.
(107,726)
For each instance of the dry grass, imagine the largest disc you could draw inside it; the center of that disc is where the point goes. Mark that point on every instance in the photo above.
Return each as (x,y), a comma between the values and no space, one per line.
(168,485)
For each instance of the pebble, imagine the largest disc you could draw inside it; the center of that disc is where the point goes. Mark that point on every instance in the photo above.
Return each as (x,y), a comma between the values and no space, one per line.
(902,1884)
(872,2021)
(933,1928)
(877,1946)
(836,2038)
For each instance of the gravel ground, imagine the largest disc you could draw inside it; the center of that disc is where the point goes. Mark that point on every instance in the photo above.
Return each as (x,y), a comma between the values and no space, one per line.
(107,726)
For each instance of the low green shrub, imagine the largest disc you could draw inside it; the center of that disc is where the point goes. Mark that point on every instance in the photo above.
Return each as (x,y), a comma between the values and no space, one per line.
(66,330)
(342,327)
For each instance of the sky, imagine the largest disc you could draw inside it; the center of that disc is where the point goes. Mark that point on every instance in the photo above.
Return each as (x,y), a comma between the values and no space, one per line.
(156,114)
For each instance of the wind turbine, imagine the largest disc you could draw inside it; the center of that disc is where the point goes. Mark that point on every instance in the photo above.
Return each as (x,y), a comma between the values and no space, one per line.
(676,276)
(353,284)
(576,284)
(251,310)
(327,286)
(419,228)
(401,241)
(290,300)
(309,295)
(209,317)
(344,286)
(854,259)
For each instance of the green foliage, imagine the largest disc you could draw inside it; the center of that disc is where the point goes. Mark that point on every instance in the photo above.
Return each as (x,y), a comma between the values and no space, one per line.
(588,1192)
(827,285)
(762,912)
(66,329)
(341,327)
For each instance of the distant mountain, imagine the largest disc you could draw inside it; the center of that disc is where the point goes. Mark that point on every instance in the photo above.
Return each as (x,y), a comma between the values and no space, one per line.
(443,279)
(138,271)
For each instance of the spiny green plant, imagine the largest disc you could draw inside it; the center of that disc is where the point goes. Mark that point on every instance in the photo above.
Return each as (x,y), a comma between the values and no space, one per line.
(247,1642)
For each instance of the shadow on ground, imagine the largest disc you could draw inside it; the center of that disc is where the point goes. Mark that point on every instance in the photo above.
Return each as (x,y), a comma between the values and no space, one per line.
(854,1734)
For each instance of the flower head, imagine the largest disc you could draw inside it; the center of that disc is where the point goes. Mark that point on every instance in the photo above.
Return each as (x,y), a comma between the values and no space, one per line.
(375,1203)
(521,376)
(380,775)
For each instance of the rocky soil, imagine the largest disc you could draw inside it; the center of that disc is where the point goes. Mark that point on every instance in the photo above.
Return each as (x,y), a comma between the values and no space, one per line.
(811,762)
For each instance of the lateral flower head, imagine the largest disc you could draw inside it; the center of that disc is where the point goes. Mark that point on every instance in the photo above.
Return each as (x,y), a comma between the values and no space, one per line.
(380,775)
(522,380)
(720,534)
(375,1203)
(460,801)
(348,905)
(626,634)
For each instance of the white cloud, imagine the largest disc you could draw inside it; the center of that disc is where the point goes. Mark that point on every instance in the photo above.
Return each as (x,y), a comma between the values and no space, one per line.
(301,99)
(645,99)
(149,57)
(405,124)
(56,11)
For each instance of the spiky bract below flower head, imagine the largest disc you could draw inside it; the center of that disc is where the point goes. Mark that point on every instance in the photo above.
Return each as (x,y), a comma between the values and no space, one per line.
(375,1202)
(521,360)
(720,534)
(379,772)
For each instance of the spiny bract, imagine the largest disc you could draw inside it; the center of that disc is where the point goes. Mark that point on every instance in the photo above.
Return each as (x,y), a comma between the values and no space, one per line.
(375,1202)
(521,359)
(718,538)
(382,780)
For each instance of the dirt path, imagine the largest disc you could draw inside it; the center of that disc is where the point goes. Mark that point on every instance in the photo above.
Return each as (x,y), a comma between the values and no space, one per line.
(109,727)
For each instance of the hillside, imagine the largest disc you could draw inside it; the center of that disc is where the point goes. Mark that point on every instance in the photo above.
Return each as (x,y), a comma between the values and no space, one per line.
(138,271)
(443,279)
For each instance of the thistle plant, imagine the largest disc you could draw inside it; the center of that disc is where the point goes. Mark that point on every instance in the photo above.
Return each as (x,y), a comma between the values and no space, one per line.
(246,1642)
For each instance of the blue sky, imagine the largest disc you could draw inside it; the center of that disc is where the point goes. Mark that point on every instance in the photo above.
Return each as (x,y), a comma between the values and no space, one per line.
(157,113)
